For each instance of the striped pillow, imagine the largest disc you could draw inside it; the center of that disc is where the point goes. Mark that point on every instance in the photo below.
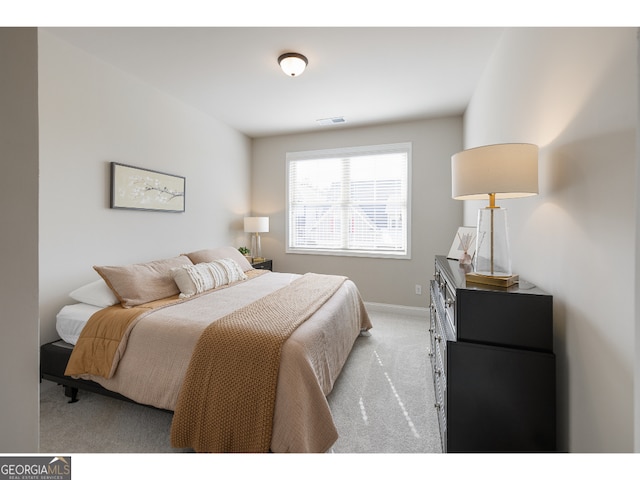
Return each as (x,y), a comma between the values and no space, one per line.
(194,279)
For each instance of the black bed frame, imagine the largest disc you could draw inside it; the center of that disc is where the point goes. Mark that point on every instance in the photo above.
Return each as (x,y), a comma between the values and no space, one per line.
(54,357)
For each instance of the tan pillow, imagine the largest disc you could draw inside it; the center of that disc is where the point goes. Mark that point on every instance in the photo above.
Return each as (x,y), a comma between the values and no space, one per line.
(206,256)
(142,282)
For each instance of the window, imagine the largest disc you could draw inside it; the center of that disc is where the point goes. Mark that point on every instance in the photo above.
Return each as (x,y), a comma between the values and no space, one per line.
(352,201)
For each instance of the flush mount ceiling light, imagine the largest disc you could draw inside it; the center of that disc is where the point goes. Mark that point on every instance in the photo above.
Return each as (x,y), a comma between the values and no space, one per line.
(293,64)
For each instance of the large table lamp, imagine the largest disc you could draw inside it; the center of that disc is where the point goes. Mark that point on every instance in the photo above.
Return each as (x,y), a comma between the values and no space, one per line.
(508,170)
(256,226)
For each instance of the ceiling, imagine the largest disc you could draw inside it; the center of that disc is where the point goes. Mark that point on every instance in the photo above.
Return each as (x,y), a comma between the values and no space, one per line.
(368,75)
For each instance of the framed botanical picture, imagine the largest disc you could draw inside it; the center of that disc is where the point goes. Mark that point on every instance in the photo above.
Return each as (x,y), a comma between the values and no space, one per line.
(463,242)
(143,189)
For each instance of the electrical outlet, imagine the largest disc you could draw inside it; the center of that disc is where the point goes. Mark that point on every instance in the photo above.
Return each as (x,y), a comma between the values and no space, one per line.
(418,289)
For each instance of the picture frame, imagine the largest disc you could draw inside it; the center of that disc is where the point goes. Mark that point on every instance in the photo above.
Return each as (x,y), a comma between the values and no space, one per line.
(465,237)
(136,188)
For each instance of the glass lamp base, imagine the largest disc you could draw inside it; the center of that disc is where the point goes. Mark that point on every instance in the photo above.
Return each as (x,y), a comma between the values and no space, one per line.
(493,257)
(256,248)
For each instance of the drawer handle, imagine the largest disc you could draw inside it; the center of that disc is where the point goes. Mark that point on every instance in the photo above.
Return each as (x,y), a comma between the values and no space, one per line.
(449,302)
(438,372)
(438,338)
(437,405)
(431,354)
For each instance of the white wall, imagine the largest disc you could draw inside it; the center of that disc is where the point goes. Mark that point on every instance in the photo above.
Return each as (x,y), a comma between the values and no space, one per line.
(574,93)
(435,215)
(91,114)
(19,374)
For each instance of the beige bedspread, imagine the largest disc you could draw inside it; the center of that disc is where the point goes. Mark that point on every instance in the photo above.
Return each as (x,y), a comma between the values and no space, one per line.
(228,395)
(152,369)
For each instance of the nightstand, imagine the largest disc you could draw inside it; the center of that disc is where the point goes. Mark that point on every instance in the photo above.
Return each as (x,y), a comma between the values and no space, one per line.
(263,265)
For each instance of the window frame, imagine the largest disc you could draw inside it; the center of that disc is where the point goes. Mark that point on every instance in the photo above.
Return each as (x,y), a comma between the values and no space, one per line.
(349,152)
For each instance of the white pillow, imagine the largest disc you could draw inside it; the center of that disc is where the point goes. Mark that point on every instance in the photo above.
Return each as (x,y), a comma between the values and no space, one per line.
(95,293)
(194,279)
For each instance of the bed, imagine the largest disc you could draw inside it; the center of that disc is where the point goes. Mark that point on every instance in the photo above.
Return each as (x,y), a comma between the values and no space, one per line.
(152,361)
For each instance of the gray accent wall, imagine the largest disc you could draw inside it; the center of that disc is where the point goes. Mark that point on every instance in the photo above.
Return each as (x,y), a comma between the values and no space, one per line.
(19,401)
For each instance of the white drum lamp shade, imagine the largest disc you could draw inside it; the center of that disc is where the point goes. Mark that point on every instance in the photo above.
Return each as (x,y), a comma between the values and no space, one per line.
(256,224)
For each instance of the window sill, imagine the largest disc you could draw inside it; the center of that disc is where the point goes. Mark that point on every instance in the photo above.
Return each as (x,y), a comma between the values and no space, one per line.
(350,253)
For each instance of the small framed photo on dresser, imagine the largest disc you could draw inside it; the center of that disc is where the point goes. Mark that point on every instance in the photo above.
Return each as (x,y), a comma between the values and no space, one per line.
(464,245)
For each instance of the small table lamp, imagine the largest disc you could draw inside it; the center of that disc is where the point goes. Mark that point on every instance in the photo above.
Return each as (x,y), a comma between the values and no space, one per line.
(256,225)
(507,170)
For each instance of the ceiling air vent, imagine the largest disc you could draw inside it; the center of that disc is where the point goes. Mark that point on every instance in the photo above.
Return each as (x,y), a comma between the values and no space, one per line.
(331,121)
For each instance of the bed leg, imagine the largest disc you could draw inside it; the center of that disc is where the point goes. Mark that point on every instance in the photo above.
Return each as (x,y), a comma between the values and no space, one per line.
(72,393)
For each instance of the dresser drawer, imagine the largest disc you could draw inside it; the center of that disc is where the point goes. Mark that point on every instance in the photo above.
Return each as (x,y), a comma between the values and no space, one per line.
(438,335)
(441,409)
(445,297)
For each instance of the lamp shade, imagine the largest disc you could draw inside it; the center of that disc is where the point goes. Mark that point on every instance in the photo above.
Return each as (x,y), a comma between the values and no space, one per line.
(256,224)
(508,170)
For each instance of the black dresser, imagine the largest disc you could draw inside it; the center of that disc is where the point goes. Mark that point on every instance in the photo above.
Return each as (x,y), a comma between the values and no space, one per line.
(493,365)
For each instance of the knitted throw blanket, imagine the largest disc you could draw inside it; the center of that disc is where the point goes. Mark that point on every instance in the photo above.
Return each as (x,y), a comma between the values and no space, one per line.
(227,400)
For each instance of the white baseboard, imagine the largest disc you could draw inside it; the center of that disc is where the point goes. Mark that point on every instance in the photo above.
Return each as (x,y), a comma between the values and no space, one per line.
(398,309)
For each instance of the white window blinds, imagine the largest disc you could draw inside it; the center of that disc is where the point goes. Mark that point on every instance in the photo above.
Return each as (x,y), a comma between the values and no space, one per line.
(349,201)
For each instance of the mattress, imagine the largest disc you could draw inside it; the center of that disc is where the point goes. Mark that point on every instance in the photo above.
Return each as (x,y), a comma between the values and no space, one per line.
(72,318)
